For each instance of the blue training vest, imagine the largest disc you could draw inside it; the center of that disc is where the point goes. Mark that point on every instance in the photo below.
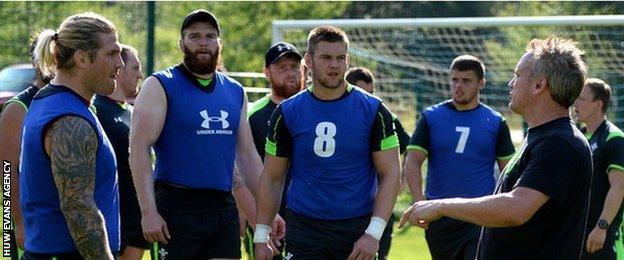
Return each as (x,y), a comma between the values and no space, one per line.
(46,228)
(341,185)
(197,145)
(462,151)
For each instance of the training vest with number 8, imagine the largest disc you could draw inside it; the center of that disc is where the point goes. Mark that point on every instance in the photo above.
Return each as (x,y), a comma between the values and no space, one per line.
(324,143)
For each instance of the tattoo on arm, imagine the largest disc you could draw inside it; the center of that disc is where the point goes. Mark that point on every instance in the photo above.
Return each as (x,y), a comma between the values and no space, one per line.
(71,144)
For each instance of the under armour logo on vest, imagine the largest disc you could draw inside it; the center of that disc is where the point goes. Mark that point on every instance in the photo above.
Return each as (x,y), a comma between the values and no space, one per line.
(207,119)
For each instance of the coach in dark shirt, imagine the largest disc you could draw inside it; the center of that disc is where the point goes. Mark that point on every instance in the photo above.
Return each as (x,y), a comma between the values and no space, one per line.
(540,205)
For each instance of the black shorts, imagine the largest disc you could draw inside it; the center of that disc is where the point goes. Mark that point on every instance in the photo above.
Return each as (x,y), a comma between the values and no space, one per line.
(309,238)
(450,239)
(65,256)
(133,236)
(608,251)
(202,223)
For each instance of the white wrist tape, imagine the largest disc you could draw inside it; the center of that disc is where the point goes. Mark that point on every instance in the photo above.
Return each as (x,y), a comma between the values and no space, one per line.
(261,234)
(376,227)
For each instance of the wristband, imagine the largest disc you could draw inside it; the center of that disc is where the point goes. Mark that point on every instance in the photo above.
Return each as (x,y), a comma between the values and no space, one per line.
(261,234)
(376,227)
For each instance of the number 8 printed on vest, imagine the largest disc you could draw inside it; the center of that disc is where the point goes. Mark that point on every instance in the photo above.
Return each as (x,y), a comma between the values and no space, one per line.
(324,143)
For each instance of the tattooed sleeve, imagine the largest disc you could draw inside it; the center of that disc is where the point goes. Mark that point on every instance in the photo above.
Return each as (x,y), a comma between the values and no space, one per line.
(72,144)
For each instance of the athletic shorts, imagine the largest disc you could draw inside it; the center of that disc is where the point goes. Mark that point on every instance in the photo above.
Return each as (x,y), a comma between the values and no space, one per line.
(451,239)
(65,256)
(309,238)
(202,223)
(133,236)
(608,251)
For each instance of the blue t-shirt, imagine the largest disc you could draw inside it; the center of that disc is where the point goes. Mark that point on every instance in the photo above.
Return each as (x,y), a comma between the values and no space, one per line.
(46,228)
(197,145)
(462,147)
(330,145)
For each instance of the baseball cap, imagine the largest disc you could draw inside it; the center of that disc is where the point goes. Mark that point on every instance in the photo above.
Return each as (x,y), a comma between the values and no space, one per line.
(279,50)
(200,15)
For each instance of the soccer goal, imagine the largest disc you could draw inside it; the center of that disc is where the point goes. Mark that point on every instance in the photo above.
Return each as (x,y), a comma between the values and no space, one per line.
(411,57)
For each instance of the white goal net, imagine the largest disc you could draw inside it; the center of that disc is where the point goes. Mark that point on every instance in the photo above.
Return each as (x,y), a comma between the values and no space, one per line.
(411,57)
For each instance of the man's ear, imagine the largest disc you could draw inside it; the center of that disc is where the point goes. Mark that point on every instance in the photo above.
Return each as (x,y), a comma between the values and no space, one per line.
(81,58)
(540,85)
(267,73)
(308,59)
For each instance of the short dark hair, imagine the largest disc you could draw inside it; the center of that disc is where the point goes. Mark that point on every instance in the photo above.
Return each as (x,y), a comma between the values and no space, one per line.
(600,91)
(359,73)
(468,62)
(326,33)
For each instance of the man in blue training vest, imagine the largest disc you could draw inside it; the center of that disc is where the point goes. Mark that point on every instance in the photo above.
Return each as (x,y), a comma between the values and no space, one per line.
(195,118)
(339,145)
(462,138)
(68,178)
(540,206)
(607,143)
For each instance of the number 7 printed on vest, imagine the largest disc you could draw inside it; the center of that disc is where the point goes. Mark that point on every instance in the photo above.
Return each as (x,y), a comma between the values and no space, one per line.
(463,138)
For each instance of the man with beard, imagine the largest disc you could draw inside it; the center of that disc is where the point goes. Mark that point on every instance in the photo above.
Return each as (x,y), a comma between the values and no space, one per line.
(114,113)
(337,142)
(540,206)
(68,179)
(462,138)
(607,143)
(283,70)
(195,118)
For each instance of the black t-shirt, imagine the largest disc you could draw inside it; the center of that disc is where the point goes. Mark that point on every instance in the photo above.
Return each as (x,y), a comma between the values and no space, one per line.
(555,159)
(607,144)
(404,138)
(115,119)
(259,115)
(25,97)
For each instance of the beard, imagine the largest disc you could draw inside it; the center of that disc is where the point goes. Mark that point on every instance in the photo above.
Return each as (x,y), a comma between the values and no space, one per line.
(285,90)
(324,81)
(198,66)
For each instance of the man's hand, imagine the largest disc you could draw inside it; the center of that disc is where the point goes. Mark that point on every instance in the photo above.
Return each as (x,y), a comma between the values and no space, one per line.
(365,248)
(155,228)
(421,214)
(264,251)
(596,240)
(278,229)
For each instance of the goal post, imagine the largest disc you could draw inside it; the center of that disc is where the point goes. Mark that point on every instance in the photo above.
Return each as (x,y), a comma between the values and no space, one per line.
(411,57)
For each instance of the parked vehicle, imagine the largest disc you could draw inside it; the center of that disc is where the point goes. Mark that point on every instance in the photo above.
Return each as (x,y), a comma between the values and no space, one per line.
(14,79)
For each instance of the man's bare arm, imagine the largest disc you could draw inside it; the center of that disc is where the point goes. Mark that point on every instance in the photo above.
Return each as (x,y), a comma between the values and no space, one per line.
(247,158)
(501,210)
(413,173)
(72,144)
(148,119)
(388,167)
(11,121)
